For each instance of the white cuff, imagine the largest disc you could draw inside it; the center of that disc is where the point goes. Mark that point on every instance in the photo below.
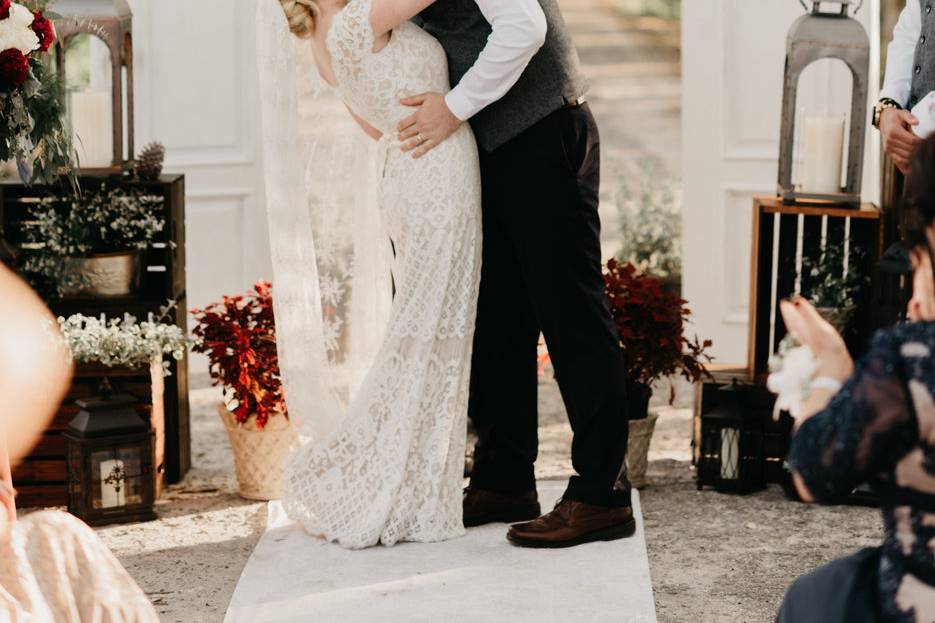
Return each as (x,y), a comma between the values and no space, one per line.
(895,95)
(826,382)
(459,105)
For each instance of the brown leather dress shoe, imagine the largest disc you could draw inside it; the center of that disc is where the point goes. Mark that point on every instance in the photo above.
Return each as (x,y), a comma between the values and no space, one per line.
(483,507)
(574,523)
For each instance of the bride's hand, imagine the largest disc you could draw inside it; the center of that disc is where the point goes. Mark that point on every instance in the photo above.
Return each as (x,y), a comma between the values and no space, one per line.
(810,329)
(429,126)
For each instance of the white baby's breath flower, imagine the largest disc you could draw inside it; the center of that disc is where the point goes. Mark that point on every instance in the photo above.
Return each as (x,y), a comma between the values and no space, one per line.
(121,341)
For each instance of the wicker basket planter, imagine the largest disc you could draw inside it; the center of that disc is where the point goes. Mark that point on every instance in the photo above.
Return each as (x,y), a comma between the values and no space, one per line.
(258,454)
(641,433)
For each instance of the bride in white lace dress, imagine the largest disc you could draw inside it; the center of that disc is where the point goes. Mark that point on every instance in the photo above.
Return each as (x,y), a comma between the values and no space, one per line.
(392,470)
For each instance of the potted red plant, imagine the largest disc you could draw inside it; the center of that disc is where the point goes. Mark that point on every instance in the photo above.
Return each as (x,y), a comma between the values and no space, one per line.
(238,335)
(651,322)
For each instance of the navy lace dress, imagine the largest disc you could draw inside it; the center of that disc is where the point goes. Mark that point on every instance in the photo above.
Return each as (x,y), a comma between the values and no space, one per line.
(880,428)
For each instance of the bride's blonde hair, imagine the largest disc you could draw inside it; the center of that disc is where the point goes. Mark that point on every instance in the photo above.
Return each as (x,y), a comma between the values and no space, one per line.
(301,15)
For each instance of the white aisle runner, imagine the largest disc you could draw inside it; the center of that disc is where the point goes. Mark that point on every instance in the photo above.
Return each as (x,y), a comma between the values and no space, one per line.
(479,578)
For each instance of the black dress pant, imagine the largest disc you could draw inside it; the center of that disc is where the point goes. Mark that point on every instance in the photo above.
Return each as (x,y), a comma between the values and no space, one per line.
(542,272)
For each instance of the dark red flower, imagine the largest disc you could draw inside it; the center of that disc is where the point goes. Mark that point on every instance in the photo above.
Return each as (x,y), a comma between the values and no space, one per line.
(239,337)
(44,30)
(5,8)
(13,68)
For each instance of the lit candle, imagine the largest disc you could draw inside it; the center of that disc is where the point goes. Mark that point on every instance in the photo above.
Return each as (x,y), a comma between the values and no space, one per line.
(823,158)
(113,491)
(92,127)
(730,453)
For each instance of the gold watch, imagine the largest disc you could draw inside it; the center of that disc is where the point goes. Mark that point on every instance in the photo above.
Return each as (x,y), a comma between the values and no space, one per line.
(882,105)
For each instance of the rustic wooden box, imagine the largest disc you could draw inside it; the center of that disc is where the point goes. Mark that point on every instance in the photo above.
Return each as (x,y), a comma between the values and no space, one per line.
(780,234)
(40,479)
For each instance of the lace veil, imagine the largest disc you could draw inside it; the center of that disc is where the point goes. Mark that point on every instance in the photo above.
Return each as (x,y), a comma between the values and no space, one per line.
(332,286)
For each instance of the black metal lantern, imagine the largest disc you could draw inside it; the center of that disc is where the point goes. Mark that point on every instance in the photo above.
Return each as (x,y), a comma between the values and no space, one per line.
(100,101)
(110,461)
(732,457)
(819,35)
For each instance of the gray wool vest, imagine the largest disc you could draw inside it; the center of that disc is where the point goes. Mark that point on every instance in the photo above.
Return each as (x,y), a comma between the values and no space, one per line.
(552,78)
(923,71)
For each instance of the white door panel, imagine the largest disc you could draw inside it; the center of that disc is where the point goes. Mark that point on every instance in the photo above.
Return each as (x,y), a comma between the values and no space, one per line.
(196,93)
(733,60)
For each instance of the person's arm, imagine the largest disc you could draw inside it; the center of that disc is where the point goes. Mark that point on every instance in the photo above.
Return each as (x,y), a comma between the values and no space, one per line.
(35,366)
(518,30)
(895,124)
(7,493)
(385,15)
(900,56)
(863,431)
(368,129)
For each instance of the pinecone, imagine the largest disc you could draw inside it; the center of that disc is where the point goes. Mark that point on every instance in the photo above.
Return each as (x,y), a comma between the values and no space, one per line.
(149,162)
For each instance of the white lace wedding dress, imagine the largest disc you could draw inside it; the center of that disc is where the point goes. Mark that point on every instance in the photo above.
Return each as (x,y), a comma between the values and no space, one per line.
(392,471)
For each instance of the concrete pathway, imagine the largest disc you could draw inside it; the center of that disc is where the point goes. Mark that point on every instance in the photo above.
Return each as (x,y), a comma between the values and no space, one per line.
(478,578)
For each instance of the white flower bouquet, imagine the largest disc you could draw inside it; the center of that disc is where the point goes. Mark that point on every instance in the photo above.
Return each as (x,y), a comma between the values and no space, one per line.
(32,125)
(791,371)
(123,341)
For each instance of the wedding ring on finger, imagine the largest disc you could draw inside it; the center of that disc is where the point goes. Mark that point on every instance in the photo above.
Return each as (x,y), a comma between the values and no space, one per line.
(420,137)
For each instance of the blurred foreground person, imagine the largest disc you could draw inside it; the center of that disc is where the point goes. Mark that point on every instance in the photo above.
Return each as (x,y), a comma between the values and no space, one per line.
(875,423)
(53,568)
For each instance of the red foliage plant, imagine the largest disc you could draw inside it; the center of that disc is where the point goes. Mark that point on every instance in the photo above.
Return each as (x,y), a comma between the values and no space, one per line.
(239,337)
(651,323)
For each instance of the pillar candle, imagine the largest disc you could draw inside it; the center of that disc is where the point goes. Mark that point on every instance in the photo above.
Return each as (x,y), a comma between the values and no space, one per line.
(113,491)
(92,127)
(823,157)
(730,453)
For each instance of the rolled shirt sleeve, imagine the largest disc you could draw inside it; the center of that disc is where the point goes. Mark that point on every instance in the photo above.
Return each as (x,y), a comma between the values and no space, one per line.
(518,31)
(900,56)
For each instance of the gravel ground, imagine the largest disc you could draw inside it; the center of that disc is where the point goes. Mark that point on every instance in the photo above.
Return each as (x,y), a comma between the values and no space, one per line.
(713,557)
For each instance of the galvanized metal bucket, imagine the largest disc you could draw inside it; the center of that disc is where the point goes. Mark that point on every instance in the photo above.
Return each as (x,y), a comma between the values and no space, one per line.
(106,274)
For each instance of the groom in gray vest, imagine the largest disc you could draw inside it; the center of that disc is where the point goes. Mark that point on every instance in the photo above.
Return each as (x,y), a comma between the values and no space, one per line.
(518,82)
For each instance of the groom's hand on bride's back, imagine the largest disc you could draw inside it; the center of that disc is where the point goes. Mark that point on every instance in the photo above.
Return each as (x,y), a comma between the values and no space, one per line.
(428,126)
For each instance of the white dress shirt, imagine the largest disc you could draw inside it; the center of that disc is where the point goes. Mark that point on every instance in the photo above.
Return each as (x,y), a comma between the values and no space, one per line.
(519,29)
(900,57)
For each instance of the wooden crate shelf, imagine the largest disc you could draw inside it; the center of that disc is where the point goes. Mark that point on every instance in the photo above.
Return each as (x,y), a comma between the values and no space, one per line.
(779,231)
(40,479)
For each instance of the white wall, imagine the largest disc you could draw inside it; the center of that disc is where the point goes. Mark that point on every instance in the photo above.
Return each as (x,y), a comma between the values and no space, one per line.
(196,93)
(733,60)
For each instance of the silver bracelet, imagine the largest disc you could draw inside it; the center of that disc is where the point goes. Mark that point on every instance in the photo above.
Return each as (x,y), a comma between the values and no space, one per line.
(826,382)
